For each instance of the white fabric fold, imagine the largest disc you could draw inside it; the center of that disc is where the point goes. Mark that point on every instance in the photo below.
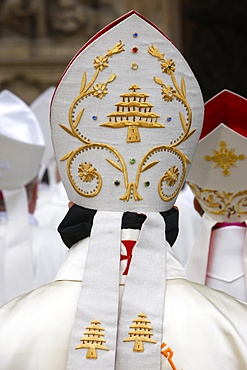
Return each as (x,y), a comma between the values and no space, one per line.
(196,268)
(16,254)
(99,294)
(144,293)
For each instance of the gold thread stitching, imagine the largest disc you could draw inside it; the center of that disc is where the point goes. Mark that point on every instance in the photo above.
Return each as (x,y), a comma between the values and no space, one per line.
(224,158)
(169,93)
(225,203)
(99,90)
(142,332)
(93,340)
(139,114)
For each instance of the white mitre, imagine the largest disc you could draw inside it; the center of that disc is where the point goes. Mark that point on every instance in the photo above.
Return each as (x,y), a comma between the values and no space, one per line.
(21,149)
(41,108)
(218,179)
(125,120)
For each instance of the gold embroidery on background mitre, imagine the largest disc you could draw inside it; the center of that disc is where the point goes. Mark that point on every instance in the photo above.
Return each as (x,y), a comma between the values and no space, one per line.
(224,158)
(99,90)
(221,203)
(142,332)
(93,340)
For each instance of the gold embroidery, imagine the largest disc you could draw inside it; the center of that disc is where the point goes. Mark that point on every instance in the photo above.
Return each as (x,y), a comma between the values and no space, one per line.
(171,176)
(87,172)
(169,93)
(144,166)
(224,158)
(93,340)
(139,114)
(134,66)
(141,333)
(168,353)
(99,90)
(225,203)
(133,112)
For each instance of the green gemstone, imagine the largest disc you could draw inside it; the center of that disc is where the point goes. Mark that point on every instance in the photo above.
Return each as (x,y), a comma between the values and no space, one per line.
(146,183)
(117,182)
(132,161)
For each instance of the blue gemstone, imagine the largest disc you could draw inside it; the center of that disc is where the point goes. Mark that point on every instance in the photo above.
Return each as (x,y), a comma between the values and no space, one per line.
(94,118)
(135,34)
(169,119)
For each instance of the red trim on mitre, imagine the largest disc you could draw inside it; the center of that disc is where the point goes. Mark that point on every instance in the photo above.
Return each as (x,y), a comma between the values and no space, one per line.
(104,30)
(228,108)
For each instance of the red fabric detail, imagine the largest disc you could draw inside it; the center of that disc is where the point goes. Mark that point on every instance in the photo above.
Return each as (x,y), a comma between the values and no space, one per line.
(225,224)
(129,245)
(228,108)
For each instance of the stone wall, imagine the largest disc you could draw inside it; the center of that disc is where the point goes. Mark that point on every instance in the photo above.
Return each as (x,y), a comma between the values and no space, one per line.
(39,37)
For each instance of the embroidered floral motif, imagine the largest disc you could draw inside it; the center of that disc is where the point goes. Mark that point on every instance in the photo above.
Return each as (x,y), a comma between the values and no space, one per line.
(224,158)
(168,93)
(87,172)
(100,90)
(168,66)
(101,62)
(93,340)
(171,176)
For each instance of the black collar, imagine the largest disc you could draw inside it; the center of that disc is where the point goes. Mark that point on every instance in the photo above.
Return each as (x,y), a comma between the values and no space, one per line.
(77,224)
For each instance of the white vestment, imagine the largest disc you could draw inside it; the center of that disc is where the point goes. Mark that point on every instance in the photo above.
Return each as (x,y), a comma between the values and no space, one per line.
(52,205)
(189,223)
(47,253)
(202,328)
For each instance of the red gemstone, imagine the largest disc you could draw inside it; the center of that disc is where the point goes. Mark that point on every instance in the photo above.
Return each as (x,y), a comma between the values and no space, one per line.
(134,49)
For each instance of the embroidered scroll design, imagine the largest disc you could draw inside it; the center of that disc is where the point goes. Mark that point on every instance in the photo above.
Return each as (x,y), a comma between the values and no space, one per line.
(221,203)
(85,174)
(93,340)
(224,158)
(142,332)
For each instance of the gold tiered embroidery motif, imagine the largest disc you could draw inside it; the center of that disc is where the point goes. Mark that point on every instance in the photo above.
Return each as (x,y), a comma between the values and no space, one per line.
(93,340)
(133,111)
(142,332)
